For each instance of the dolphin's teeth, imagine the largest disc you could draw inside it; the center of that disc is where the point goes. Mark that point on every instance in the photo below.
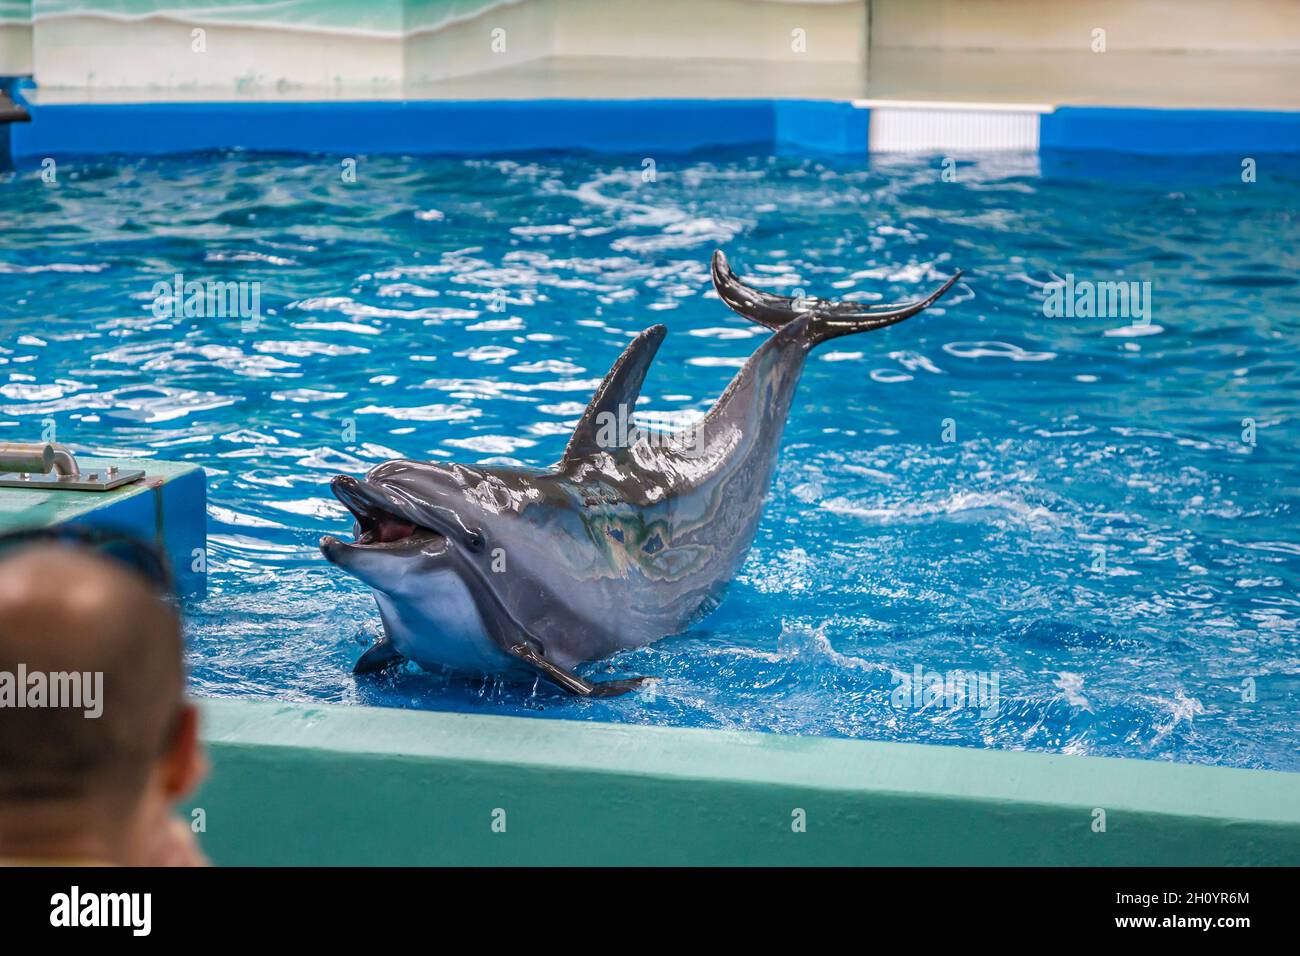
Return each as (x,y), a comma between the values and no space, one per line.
(366,538)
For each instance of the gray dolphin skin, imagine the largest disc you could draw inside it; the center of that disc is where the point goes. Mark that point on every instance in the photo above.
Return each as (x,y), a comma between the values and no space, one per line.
(631,537)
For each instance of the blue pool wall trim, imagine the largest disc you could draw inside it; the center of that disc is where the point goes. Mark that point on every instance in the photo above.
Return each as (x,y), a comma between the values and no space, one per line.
(646,126)
(447,127)
(1170,132)
(173,516)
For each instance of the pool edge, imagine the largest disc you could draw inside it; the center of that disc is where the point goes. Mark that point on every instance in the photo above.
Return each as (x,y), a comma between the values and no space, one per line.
(644,127)
(340,784)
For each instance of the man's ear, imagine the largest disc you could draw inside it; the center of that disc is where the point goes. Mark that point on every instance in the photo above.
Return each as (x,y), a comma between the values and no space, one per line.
(185,764)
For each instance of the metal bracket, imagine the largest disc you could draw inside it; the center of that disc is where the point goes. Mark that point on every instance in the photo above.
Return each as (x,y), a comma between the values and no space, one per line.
(105,479)
(48,466)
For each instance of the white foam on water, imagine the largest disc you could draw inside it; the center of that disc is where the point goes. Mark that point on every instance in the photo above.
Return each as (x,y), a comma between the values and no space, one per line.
(957,503)
(799,640)
(493,354)
(422,413)
(550,366)
(731,332)
(9,267)
(1071,686)
(491,444)
(711,361)
(1133,331)
(993,349)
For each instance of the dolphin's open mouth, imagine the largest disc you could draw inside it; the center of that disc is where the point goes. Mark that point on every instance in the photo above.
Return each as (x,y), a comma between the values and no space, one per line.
(378,524)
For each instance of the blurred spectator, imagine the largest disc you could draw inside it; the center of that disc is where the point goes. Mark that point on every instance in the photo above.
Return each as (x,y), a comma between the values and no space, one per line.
(97,741)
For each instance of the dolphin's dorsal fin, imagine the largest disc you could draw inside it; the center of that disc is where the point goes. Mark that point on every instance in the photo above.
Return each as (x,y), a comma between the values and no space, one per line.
(620,388)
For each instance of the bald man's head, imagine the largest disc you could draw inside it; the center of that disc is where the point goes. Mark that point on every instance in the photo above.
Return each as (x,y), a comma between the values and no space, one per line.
(66,610)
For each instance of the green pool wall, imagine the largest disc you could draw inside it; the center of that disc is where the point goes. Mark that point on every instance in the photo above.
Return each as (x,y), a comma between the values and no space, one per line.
(300,784)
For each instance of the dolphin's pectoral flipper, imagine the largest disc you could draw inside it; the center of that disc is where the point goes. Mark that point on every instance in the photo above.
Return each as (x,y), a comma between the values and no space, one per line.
(829,319)
(620,388)
(379,656)
(570,681)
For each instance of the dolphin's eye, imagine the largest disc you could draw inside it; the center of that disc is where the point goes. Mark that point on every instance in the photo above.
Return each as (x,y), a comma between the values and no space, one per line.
(475,542)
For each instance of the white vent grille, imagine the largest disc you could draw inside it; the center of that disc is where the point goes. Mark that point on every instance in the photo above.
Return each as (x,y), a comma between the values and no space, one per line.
(898,127)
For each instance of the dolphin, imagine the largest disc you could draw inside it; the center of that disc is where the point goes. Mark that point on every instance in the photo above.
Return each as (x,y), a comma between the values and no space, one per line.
(631,537)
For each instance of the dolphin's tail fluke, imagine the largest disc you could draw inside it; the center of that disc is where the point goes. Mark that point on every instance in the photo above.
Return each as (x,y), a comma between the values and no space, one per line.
(829,319)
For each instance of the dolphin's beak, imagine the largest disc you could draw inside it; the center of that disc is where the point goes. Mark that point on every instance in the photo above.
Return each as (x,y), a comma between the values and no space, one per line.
(379,530)
(377,518)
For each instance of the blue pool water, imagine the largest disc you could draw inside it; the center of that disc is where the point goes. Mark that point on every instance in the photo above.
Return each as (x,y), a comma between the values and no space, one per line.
(1097,533)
